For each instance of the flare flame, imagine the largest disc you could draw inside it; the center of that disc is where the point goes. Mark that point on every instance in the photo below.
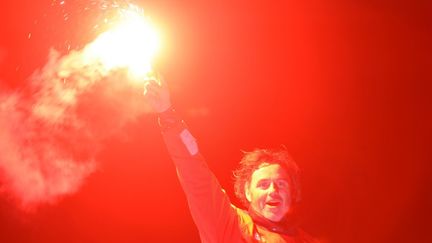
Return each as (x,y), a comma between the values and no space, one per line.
(131,43)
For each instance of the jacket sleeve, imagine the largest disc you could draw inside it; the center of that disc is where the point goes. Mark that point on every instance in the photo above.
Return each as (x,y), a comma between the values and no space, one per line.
(211,210)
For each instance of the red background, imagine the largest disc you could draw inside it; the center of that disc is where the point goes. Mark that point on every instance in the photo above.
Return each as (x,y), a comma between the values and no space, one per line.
(343,84)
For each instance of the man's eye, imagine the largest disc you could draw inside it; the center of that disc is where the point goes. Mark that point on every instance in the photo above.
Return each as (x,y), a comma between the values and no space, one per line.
(263,184)
(283,184)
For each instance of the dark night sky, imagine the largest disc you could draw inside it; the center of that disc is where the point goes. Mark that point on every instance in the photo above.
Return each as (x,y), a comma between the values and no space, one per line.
(343,84)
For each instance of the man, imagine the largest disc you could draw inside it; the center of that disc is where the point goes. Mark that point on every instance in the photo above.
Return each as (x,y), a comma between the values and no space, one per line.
(266,182)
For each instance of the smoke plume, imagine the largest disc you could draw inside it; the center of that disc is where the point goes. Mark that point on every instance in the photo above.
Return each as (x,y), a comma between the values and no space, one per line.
(51,130)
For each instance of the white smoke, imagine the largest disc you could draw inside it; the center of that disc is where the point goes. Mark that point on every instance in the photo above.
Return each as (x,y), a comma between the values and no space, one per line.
(51,130)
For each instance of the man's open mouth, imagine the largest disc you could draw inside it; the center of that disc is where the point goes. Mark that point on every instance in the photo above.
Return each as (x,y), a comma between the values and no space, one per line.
(273,203)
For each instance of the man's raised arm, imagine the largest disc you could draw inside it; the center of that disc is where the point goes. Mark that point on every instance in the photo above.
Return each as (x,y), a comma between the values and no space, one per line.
(210,207)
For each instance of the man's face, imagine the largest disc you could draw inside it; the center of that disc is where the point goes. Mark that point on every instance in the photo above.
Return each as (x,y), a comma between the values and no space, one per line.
(269,192)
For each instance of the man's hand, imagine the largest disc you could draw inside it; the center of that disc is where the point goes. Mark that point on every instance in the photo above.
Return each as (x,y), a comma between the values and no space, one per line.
(157,95)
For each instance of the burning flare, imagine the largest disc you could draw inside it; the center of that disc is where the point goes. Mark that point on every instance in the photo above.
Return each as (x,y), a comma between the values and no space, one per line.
(131,43)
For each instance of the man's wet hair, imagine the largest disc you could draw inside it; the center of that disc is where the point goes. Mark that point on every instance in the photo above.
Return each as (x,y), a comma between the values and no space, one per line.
(254,160)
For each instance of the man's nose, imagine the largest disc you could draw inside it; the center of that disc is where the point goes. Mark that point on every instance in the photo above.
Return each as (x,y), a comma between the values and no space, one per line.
(273,188)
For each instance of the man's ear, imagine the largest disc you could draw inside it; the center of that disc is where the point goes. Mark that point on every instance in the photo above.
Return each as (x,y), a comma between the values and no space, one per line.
(247,192)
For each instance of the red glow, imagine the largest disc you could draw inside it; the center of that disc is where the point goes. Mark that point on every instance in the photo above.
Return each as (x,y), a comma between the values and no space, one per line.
(343,84)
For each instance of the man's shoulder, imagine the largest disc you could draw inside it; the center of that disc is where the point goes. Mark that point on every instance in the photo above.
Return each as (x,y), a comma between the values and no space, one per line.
(245,222)
(243,216)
